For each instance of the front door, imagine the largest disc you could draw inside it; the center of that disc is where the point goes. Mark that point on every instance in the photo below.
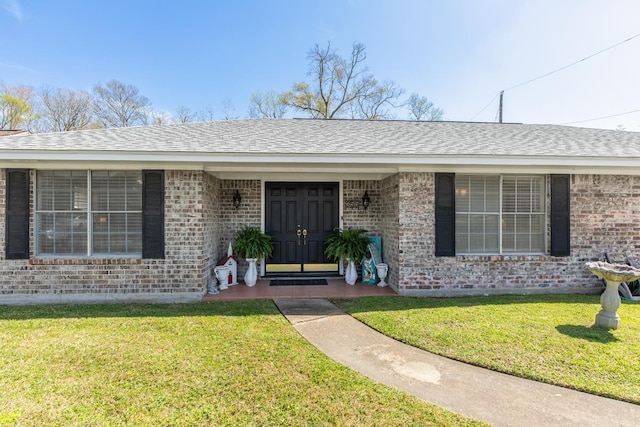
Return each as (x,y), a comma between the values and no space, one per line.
(299,218)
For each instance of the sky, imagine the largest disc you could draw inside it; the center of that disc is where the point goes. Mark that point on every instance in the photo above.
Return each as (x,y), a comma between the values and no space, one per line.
(460,54)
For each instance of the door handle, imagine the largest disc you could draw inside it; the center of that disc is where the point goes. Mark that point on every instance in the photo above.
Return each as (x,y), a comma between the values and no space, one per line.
(298,233)
(304,236)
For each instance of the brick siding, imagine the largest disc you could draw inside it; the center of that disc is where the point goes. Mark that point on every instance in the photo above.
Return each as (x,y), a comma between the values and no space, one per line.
(380,219)
(354,214)
(188,232)
(416,221)
(605,216)
(247,214)
(423,273)
(390,227)
(200,221)
(211,215)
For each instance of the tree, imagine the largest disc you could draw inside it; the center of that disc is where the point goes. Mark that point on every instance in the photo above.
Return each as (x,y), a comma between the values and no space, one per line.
(17,107)
(119,104)
(64,110)
(228,109)
(375,104)
(185,115)
(420,108)
(12,112)
(267,105)
(340,87)
(207,114)
(157,118)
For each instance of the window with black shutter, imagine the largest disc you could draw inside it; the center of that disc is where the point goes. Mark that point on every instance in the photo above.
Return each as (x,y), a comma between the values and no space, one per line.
(490,214)
(445,212)
(153,214)
(560,215)
(17,214)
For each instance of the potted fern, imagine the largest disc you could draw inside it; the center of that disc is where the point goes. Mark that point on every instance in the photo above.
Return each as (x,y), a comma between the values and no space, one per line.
(349,245)
(252,244)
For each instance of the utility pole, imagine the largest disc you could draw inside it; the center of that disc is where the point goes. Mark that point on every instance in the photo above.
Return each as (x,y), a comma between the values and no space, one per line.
(500,108)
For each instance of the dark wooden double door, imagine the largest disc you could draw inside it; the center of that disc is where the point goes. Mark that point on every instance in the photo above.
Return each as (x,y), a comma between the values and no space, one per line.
(299,217)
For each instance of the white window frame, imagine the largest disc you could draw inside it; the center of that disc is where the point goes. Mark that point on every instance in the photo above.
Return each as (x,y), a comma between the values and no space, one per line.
(501,213)
(88,213)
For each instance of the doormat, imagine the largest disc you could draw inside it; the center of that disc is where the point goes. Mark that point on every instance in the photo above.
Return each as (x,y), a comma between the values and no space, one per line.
(297,282)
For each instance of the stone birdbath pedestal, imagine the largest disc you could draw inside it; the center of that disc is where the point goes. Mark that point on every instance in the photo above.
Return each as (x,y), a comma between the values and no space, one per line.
(613,275)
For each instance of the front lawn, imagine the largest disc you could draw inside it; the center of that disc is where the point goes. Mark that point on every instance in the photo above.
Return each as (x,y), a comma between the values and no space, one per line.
(201,364)
(548,338)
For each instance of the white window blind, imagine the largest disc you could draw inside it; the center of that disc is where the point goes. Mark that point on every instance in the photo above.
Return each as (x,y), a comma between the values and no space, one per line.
(88,213)
(116,213)
(61,212)
(498,214)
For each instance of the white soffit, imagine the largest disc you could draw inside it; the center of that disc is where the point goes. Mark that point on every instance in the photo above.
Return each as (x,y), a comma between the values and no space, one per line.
(306,162)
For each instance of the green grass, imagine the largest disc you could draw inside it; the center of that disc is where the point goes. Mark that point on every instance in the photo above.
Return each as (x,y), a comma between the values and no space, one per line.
(183,365)
(549,338)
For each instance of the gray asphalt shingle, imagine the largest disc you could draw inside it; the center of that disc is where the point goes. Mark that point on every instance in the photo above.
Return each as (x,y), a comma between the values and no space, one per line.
(309,136)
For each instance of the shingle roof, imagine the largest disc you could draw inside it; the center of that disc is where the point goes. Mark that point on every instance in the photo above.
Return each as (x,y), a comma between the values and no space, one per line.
(374,148)
(335,137)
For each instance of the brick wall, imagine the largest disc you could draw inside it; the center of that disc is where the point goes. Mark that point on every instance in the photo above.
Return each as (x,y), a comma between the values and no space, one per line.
(200,223)
(184,219)
(597,224)
(354,215)
(180,273)
(415,228)
(232,220)
(605,215)
(211,214)
(390,227)
(380,219)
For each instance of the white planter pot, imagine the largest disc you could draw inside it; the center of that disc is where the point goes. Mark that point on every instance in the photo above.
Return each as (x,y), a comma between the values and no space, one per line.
(351,273)
(251,276)
(382,270)
(221,273)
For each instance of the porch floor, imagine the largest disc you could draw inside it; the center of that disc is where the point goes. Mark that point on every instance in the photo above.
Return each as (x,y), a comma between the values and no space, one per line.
(335,288)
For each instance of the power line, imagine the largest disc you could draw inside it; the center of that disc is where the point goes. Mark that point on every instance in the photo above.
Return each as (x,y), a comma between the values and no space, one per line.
(573,63)
(485,107)
(601,118)
(557,70)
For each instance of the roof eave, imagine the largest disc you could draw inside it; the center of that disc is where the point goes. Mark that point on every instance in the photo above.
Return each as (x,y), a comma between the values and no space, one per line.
(315,162)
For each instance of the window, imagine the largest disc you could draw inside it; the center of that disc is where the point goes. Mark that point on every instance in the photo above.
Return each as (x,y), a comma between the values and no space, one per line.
(88,213)
(500,214)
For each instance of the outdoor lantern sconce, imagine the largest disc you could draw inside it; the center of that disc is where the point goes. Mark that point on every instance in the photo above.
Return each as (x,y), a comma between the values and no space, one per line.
(237,198)
(366,200)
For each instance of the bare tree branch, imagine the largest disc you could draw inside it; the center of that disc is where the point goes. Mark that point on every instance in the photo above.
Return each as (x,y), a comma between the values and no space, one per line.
(228,109)
(207,114)
(267,105)
(119,104)
(64,110)
(420,108)
(341,87)
(185,115)
(377,100)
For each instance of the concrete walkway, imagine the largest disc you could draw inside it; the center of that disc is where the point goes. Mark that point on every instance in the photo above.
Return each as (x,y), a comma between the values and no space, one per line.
(499,399)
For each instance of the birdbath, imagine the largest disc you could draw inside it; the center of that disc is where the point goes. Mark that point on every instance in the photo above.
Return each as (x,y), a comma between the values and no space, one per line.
(613,275)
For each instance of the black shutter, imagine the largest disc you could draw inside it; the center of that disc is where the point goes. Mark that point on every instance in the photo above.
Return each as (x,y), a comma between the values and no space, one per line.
(560,217)
(152,214)
(445,214)
(17,214)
